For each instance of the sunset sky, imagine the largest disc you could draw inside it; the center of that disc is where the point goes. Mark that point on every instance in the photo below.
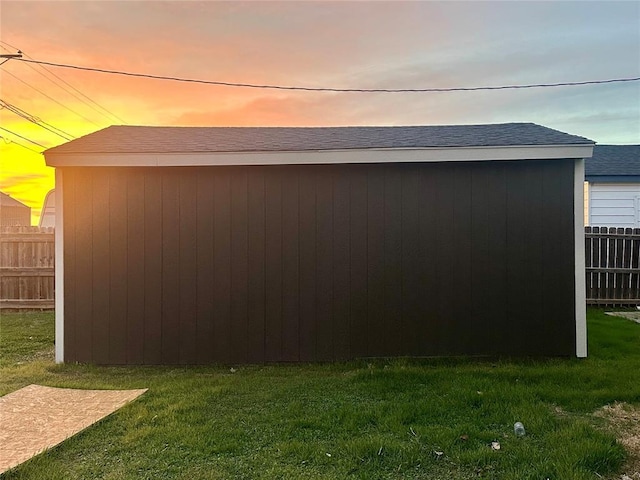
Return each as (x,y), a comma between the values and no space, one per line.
(311,44)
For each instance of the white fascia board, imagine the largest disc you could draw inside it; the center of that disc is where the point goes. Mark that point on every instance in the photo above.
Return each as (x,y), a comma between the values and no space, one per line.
(59,270)
(440,154)
(580,281)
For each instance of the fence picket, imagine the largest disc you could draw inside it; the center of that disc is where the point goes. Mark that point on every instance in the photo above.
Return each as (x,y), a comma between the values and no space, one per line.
(27,257)
(612,259)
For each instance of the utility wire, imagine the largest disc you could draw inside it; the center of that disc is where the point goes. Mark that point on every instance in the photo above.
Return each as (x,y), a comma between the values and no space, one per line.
(68,91)
(24,138)
(108,112)
(19,144)
(50,72)
(325,89)
(38,121)
(52,99)
(27,116)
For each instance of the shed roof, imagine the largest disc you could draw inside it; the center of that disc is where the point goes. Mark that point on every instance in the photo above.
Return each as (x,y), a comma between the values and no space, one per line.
(7,201)
(145,139)
(614,160)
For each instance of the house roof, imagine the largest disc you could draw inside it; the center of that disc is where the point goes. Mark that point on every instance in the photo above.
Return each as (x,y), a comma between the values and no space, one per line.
(614,160)
(144,139)
(7,201)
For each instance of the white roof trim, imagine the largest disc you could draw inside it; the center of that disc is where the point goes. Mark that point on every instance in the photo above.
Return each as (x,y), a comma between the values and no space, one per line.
(386,155)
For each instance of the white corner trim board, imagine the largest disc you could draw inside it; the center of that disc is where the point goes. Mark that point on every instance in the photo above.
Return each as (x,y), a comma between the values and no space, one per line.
(59,274)
(580,283)
(440,154)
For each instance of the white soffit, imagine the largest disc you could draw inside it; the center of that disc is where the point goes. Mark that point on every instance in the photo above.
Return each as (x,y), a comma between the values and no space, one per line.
(447,154)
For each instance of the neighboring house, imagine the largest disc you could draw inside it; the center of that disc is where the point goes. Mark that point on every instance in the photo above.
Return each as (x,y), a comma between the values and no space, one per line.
(612,191)
(186,245)
(13,213)
(48,215)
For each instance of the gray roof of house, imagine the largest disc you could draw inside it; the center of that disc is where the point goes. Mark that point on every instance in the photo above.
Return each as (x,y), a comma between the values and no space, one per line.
(144,139)
(614,160)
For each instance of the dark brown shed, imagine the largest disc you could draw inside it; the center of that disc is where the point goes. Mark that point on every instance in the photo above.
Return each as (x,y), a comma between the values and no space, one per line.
(184,245)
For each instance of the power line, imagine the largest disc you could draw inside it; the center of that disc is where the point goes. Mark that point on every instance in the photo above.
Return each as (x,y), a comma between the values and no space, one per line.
(19,144)
(339,90)
(109,112)
(38,121)
(50,72)
(24,138)
(52,99)
(68,91)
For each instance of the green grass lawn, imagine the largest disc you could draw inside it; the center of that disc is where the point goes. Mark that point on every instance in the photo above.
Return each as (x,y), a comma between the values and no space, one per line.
(396,419)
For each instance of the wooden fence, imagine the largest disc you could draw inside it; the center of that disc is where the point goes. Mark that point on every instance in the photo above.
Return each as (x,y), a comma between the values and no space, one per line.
(612,261)
(27,257)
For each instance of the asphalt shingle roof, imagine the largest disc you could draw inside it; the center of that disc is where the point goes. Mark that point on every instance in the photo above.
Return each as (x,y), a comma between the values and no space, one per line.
(614,160)
(144,139)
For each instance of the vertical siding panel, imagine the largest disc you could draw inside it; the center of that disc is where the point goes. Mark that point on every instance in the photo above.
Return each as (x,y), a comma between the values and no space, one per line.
(375,261)
(429,283)
(186,224)
(222,265)
(442,256)
(525,229)
(412,297)
(100,258)
(117,255)
(71,265)
(324,264)
(153,271)
(204,267)
(135,266)
(239,265)
(392,323)
(170,267)
(290,262)
(341,260)
(489,273)
(358,262)
(273,264)
(256,265)
(461,334)
(307,259)
(556,335)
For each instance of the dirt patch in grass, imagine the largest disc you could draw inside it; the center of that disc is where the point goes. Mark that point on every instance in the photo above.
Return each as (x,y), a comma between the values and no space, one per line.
(624,420)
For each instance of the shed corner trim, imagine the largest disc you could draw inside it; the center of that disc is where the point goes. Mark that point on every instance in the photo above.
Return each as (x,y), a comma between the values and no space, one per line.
(59,270)
(579,247)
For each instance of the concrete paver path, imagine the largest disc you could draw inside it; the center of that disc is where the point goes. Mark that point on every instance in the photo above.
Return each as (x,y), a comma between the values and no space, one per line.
(36,418)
